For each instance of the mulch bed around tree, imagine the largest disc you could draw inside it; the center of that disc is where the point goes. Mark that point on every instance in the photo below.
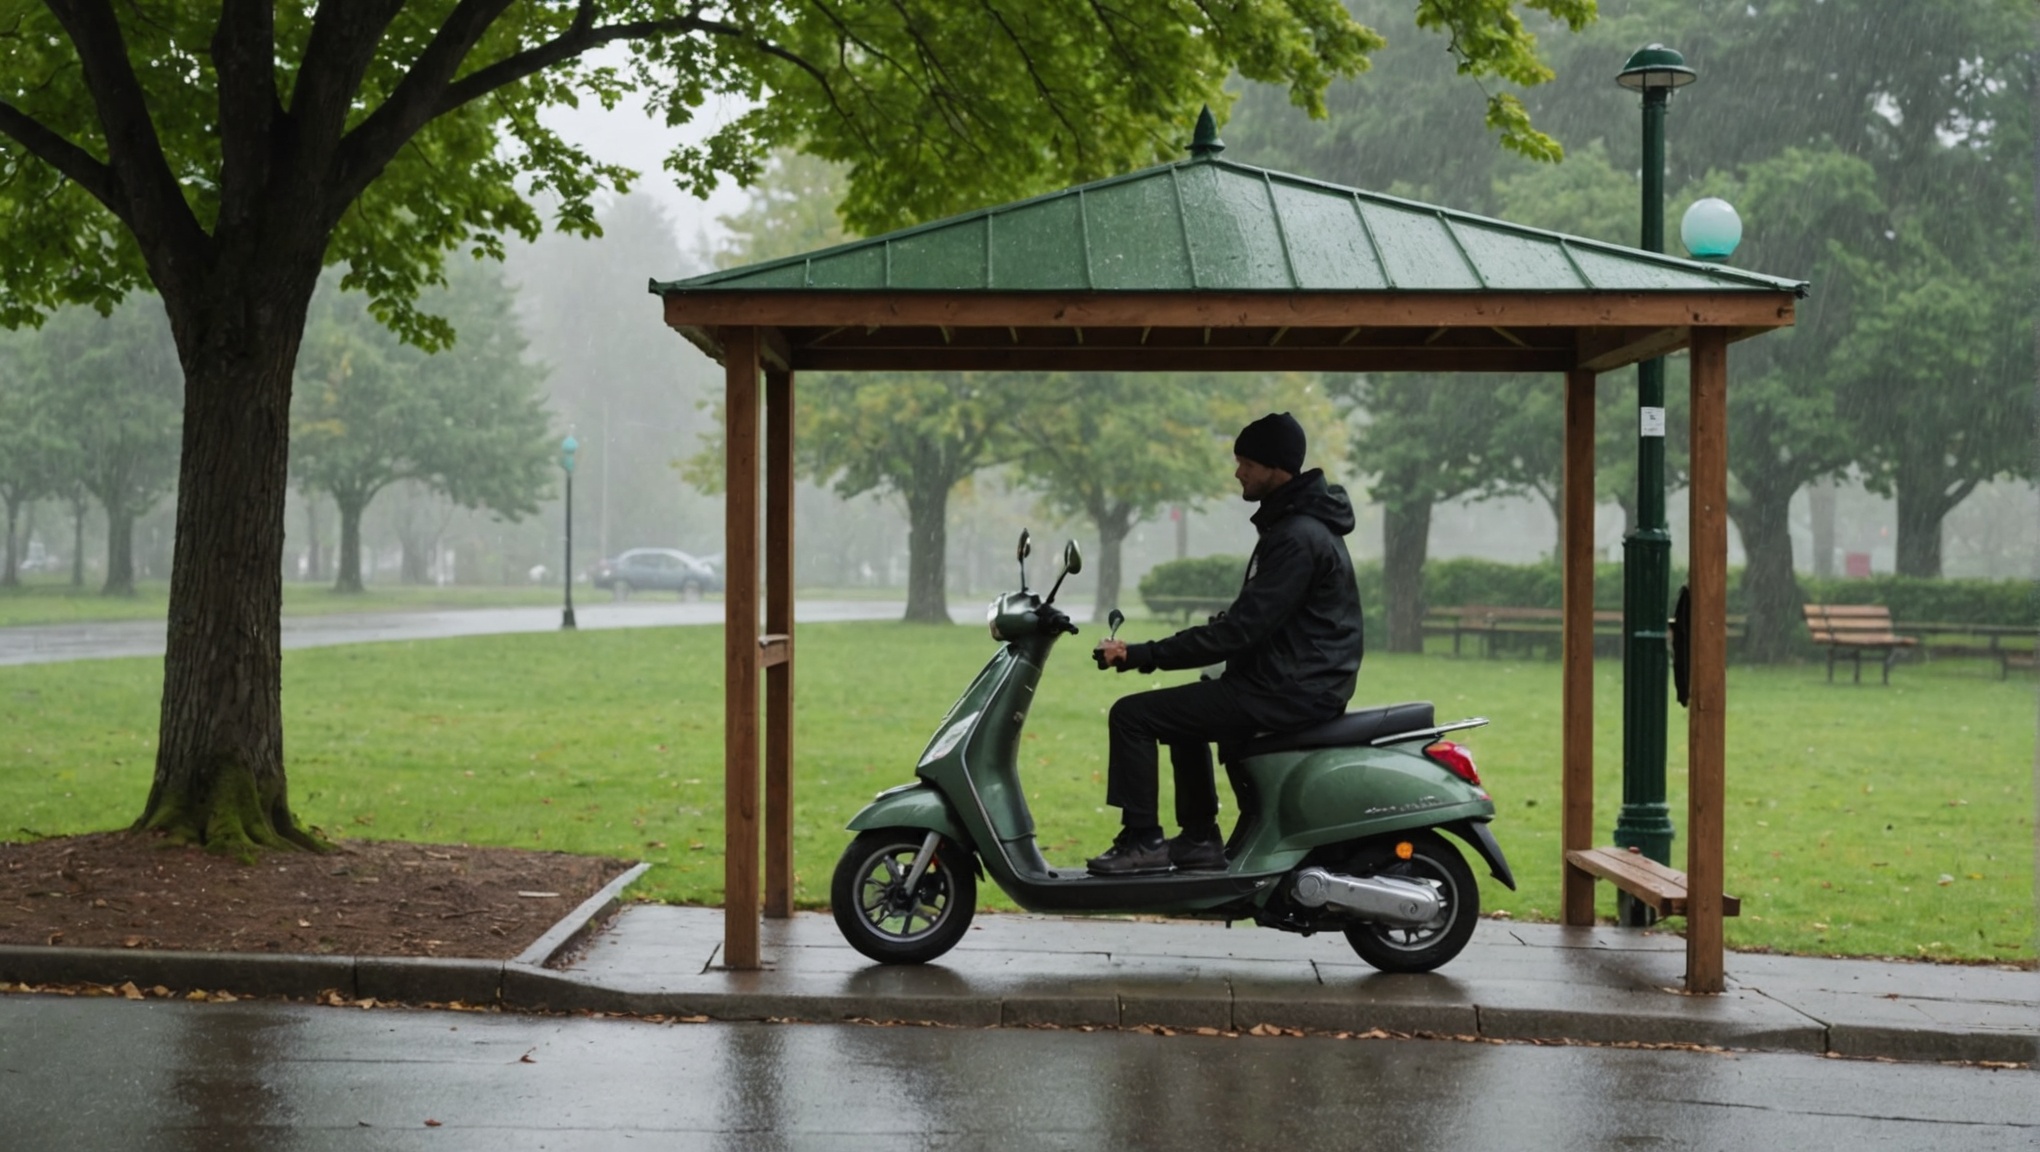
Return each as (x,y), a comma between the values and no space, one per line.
(364,898)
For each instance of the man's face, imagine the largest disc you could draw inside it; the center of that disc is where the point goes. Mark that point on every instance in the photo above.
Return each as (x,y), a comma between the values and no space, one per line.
(1257,481)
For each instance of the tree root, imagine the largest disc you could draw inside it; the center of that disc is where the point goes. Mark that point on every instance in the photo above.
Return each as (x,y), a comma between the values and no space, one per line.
(232,820)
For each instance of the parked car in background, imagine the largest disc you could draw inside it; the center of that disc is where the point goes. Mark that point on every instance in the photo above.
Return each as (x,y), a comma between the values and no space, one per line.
(656,570)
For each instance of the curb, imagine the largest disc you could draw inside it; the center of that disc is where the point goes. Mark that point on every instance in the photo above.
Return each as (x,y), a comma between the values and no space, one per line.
(1742,1019)
(409,979)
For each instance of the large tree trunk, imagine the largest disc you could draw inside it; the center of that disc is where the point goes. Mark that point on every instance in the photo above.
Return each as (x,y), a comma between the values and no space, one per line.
(120,551)
(417,567)
(1405,543)
(1771,591)
(1113,528)
(927,553)
(1921,508)
(219,754)
(349,576)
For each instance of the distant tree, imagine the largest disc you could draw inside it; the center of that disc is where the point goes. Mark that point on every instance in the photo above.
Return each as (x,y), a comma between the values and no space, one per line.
(1942,398)
(1115,448)
(914,436)
(1425,440)
(30,452)
(116,397)
(630,387)
(371,411)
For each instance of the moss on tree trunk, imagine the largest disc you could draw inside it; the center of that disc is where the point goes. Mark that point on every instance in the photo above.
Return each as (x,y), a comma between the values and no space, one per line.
(237,814)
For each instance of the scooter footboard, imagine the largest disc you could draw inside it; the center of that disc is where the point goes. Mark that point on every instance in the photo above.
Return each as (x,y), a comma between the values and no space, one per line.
(916,805)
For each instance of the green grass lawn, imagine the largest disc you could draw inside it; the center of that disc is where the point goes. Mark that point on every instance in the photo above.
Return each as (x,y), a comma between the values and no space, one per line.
(52,600)
(1861,819)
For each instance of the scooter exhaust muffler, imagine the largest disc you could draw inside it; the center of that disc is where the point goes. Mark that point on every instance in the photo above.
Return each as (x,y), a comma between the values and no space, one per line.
(1383,899)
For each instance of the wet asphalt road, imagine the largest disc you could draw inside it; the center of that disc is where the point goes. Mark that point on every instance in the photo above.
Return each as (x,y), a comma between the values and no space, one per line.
(93,1074)
(49,643)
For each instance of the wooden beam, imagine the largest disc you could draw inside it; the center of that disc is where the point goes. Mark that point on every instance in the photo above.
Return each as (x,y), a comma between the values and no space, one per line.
(1706,715)
(777,656)
(774,349)
(740,649)
(1351,358)
(714,307)
(1606,349)
(1576,792)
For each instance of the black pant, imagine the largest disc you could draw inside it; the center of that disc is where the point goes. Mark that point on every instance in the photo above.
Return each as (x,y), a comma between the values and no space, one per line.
(1188,718)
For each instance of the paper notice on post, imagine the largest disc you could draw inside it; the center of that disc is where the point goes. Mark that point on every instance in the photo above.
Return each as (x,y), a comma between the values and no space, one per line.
(1653,422)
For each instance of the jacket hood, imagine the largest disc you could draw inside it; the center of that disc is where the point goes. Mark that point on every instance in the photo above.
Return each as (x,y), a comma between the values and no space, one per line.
(1308,495)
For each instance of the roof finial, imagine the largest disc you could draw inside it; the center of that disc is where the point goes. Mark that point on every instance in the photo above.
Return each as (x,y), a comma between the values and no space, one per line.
(1206,144)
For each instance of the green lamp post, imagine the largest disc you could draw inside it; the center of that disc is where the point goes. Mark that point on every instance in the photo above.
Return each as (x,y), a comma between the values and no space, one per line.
(1645,821)
(567,449)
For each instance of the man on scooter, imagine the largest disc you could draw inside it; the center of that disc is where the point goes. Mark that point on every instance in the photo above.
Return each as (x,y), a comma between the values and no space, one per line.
(1291,642)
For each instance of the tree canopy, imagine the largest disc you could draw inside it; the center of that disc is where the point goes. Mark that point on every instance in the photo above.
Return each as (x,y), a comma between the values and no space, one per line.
(226,152)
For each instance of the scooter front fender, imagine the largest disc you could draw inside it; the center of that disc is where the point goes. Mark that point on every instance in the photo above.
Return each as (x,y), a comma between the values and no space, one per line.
(916,805)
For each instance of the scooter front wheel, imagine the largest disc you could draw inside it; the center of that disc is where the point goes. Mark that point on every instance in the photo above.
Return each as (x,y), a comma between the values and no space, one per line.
(1432,861)
(886,921)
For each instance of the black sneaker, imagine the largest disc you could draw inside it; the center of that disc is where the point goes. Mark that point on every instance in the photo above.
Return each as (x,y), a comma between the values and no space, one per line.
(1197,852)
(1133,853)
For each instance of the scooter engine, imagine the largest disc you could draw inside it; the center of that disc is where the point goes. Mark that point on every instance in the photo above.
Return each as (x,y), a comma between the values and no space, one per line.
(1381,899)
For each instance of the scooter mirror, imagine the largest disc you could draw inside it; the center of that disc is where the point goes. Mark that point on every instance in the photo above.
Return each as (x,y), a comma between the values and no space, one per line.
(1113,622)
(1026,546)
(1073,560)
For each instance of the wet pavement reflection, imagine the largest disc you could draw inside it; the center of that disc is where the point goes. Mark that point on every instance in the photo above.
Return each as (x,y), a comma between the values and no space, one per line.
(89,1074)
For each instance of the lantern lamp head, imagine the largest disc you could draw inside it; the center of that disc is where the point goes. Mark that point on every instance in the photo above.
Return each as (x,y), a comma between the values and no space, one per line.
(1711,229)
(568,447)
(1655,67)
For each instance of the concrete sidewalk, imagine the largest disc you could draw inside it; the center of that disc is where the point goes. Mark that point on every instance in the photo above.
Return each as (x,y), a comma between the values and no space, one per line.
(1514,981)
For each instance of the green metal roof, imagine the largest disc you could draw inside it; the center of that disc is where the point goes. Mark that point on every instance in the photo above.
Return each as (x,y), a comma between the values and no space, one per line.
(1206,224)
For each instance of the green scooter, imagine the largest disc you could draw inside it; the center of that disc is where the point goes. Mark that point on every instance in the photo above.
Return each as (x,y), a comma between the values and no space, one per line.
(1338,827)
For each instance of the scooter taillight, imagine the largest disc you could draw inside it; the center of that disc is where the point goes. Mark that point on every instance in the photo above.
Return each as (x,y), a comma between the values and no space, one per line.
(1456,757)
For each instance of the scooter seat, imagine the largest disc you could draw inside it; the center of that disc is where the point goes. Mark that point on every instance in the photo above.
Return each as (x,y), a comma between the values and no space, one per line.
(1353,728)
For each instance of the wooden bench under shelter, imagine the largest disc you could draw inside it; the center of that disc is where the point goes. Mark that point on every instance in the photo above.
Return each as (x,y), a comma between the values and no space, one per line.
(1659,887)
(1206,265)
(1853,629)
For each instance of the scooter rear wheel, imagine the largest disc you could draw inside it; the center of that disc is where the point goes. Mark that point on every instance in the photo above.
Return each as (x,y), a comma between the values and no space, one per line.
(883,920)
(1433,861)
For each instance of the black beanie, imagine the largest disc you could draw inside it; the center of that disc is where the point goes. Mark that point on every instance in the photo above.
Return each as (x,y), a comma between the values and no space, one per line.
(1275,440)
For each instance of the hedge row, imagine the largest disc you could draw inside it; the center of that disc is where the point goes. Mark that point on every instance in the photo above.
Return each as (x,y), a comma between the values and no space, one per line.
(1453,582)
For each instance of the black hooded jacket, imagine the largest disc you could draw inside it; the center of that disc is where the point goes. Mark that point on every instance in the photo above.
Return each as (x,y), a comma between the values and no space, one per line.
(1292,638)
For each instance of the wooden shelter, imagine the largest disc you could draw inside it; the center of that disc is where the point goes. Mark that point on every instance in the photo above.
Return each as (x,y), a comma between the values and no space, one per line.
(1210,265)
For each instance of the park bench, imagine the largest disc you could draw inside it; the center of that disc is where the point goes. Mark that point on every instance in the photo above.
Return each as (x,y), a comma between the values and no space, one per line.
(1496,625)
(1662,889)
(1999,642)
(1493,624)
(1187,606)
(1853,629)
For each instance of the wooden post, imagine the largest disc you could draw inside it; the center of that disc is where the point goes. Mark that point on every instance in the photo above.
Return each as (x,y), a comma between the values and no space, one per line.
(1706,714)
(740,649)
(1576,897)
(779,625)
